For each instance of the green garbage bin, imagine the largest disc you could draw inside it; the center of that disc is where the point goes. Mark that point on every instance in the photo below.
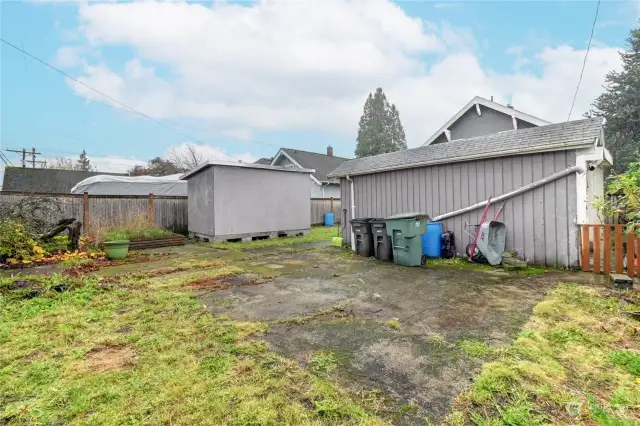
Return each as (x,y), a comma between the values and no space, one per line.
(405,230)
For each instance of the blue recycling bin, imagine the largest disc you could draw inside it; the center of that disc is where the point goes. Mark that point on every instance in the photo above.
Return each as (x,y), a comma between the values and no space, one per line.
(432,240)
(329,219)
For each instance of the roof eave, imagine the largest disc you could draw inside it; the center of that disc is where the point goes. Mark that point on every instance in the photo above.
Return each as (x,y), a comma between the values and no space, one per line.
(465,158)
(198,169)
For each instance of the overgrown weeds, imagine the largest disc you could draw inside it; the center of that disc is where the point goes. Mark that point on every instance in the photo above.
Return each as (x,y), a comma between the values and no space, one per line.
(135,227)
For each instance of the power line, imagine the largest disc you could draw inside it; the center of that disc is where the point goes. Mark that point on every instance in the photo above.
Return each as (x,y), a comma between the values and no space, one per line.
(113,99)
(584,63)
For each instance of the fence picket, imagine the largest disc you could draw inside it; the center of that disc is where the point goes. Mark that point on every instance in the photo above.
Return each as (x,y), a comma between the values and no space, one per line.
(619,264)
(596,249)
(585,262)
(631,238)
(607,248)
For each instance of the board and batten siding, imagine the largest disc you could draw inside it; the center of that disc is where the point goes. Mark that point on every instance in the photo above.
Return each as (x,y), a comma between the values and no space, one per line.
(541,223)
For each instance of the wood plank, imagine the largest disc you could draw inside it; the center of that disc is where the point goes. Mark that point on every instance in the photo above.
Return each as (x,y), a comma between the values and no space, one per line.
(596,249)
(618,248)
(607,248)
(585,261)
(631,239)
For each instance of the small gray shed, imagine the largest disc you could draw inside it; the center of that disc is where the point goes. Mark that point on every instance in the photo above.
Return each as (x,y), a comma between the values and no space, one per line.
(232,201)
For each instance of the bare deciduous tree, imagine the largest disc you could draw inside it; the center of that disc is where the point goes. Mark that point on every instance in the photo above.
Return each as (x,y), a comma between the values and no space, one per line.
(187,158)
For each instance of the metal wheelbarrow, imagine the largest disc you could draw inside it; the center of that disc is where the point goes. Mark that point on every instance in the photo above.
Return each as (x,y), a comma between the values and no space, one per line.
(489,239)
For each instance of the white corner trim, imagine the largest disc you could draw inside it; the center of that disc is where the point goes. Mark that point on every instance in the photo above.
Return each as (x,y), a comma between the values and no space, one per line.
(447,133)
(478,100)
(478,109)
(353,211)
(594,154)
(313,178)
(515,122)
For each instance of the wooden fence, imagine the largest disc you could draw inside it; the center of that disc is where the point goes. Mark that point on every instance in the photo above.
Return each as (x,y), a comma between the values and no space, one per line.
(609,248)
(320,206)
(108,210)
(111,210)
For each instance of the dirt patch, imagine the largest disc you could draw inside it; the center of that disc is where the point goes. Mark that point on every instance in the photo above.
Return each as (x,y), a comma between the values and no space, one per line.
(207,284)
(97,264)
(110,359)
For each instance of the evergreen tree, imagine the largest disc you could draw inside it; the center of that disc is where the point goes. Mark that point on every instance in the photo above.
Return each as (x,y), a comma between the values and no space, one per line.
(83,162)
(398,137)
(379,130)
(620,105)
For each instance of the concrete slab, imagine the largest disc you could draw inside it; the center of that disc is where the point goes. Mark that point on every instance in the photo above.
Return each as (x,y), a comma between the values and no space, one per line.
(337,302)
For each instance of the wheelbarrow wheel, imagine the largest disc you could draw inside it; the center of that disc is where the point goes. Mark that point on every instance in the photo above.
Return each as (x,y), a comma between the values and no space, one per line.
(477,256)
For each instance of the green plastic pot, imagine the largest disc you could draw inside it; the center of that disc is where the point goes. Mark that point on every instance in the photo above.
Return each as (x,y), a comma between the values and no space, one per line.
(116,250)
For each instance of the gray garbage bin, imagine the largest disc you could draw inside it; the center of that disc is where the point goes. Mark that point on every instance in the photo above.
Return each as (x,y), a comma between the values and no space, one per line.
(382,246)
(362,234)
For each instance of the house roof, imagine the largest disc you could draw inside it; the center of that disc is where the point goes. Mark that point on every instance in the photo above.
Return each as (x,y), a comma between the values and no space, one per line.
(51,181)
(552,137)
(322,164)
(243,165)
(264,160)
(475,103)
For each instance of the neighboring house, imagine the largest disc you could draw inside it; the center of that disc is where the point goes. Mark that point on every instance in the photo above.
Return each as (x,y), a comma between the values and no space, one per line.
(264,161)
(50,181)
(556,172)
(483,117)
(321,186)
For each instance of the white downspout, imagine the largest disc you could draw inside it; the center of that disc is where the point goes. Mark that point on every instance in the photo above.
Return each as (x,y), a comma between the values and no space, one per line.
(353,211)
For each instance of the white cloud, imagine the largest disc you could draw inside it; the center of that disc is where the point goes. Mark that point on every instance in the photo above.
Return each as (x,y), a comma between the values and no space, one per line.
(68,56)
(209,153)
(282,65)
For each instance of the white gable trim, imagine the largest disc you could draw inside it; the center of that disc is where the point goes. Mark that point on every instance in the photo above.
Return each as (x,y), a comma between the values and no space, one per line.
(295,163)
(475,103)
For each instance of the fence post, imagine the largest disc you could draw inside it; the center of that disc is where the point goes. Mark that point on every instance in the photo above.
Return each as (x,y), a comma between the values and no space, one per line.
(331,204)
(151,210)
(85,212)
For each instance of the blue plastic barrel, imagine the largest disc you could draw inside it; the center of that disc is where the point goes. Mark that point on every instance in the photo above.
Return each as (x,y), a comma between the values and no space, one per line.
(432,240)
(328,219)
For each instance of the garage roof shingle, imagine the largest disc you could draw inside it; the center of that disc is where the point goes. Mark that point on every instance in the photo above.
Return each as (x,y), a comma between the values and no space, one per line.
(565,135)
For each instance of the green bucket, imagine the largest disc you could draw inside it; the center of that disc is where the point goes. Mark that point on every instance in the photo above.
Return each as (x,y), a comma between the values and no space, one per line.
(116,250)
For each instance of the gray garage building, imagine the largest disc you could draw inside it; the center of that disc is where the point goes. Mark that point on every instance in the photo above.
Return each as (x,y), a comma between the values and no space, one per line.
(548,175)
(232,201)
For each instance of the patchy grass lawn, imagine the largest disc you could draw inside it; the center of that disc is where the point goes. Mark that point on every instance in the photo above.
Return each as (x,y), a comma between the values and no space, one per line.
(318,233)
(143,351)
(576,362)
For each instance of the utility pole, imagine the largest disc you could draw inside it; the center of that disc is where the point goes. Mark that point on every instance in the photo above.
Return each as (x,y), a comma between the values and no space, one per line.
(33,154)
(24,155)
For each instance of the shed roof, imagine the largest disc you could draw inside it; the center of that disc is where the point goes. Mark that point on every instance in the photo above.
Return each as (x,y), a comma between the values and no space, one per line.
(243,165)
(561,136)
(322,164)
(51,181)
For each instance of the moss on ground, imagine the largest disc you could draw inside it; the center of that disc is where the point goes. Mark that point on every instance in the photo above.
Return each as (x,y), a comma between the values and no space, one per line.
(320,233)
(460,263)
(576,362)
(143,351)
